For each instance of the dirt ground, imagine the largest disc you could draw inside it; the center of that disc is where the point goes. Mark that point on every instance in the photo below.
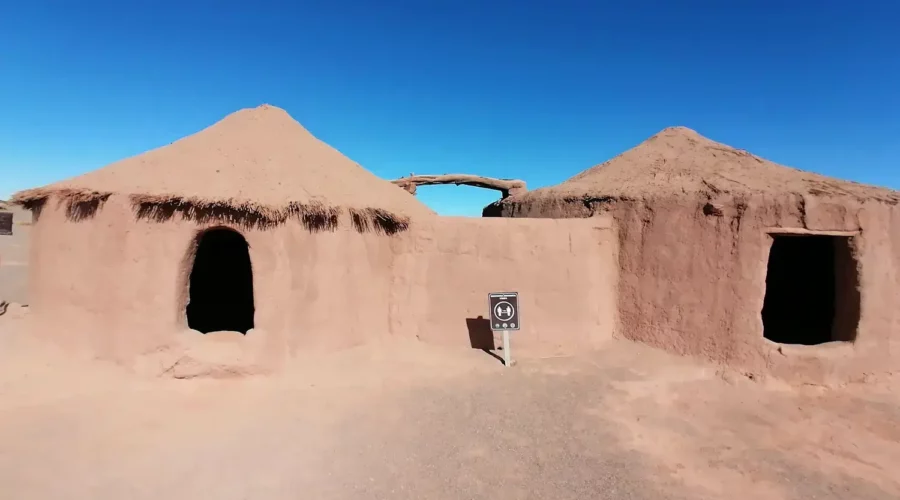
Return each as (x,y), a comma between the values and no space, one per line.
(410,421)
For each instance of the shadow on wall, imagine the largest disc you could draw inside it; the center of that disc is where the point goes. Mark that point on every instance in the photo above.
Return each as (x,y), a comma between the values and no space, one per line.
(481,336)
(79,210)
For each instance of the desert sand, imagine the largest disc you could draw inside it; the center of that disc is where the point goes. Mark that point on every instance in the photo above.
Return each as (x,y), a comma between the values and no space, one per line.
(407,420)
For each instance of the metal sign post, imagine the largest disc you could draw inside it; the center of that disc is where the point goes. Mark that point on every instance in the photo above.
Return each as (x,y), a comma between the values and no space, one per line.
(504,318)
(507,356)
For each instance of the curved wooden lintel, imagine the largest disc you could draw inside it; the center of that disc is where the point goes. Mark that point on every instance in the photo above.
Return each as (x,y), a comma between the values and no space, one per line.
(506,187)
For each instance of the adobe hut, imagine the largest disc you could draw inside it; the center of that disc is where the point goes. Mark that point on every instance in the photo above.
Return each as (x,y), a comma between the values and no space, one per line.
(725,255)
(250,224)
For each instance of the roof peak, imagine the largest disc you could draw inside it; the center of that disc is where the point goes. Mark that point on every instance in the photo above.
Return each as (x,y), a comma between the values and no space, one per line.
(677,131)
(264,107)
(263,111)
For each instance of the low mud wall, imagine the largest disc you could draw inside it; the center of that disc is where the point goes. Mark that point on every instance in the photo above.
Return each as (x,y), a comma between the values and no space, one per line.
(115,287)
(564,271)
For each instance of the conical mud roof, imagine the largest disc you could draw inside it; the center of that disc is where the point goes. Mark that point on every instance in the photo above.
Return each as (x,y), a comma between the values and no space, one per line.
(679,161)
(257,159)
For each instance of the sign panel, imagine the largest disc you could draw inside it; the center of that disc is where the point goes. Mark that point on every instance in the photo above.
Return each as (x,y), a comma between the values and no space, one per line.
(6,223)
(504,311)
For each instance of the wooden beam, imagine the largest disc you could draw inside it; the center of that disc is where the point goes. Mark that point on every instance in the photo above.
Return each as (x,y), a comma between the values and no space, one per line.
(800,231)
(505,186)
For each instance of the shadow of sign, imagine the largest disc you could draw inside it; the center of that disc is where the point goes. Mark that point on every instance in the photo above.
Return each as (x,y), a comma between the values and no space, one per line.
(481,336)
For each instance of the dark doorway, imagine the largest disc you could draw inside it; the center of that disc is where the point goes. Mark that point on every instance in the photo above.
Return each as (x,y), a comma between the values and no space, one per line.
(220,293)
(812,290)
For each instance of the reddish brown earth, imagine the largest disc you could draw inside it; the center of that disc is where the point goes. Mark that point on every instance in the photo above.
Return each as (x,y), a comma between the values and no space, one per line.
(403,420)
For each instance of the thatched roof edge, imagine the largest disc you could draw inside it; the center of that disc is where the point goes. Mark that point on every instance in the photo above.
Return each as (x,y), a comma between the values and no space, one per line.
(160,208)
(30,196)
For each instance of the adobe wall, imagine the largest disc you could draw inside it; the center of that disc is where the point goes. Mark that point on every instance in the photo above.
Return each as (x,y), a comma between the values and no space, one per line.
(114,287)
(694,283)
(564,271)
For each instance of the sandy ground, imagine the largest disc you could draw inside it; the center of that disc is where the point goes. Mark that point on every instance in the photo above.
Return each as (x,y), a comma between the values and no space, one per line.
(14,259)
(409,421)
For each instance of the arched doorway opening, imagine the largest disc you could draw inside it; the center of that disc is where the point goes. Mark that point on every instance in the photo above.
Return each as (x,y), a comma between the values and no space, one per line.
(220,287)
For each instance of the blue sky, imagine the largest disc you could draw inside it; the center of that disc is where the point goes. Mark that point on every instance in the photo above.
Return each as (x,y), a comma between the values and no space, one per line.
(534,90)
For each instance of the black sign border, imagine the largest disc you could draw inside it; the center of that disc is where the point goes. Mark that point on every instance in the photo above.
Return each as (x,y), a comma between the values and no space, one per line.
(518,313)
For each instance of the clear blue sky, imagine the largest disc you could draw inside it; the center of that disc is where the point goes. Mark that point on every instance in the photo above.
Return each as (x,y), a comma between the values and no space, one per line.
(535,90)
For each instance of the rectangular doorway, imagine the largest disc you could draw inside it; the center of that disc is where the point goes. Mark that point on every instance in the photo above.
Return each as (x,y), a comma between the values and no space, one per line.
(812,290)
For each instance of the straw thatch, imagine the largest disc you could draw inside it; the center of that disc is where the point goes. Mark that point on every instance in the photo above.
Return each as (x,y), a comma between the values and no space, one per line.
(79,204)
(161,209)
(377,220)
(256,167)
